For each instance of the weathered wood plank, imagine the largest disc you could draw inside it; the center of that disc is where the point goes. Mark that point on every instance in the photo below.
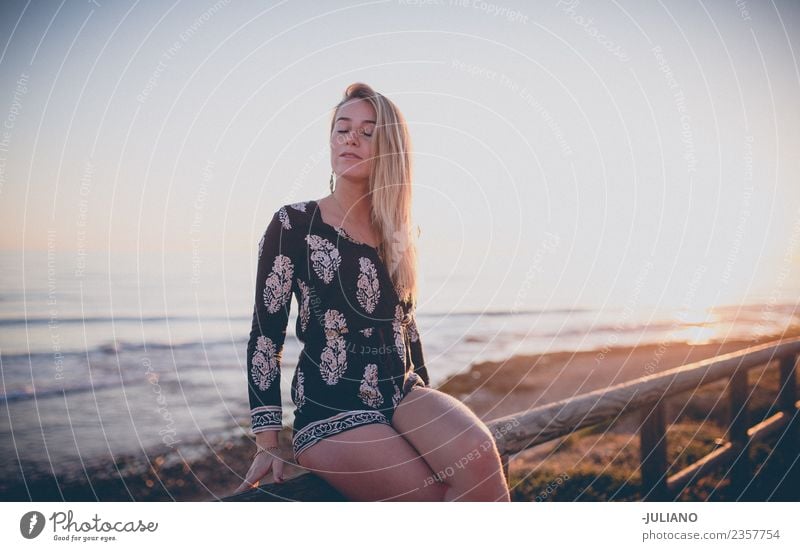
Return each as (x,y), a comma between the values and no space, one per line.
(727,452)
(306,487)
(544,423)
(724,454)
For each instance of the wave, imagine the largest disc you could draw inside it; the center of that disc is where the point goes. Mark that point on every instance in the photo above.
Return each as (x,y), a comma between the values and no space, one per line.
(28,393)
(119,347)
(41,320)
(787,308)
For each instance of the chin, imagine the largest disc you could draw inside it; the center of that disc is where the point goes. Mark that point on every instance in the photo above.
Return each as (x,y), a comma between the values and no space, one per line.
(353,173)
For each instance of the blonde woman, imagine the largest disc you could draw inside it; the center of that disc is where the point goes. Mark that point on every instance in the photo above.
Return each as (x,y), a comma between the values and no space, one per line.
(366,419)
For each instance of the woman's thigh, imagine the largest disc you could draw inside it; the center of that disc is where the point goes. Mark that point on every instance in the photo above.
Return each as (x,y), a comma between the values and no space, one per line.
(446,433)
(372,463)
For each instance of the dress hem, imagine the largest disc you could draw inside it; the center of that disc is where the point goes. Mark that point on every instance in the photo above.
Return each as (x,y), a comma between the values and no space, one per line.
(317,430)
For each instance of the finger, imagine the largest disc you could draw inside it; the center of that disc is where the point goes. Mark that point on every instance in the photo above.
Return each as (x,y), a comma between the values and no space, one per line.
(242,487)
(277,471)
(254,475)
(246,485)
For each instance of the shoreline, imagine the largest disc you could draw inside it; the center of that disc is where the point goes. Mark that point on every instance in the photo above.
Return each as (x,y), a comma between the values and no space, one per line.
(492,389)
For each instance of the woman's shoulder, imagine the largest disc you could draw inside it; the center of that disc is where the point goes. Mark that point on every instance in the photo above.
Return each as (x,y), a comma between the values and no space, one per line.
(304,207)
(295,215)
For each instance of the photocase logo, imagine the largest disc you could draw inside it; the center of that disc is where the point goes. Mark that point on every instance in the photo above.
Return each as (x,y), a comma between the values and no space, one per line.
(31,524)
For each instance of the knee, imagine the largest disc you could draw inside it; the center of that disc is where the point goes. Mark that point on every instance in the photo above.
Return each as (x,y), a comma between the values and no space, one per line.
(479,453)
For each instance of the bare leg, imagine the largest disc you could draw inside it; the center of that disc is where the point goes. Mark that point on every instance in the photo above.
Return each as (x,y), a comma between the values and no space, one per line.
(372,463)
(455,443)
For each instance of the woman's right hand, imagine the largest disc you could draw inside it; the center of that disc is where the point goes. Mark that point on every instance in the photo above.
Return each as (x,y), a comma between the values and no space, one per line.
(262,463)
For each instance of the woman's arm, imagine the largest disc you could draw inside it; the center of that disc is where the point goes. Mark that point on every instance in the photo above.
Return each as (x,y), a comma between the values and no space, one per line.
(417,357)
(273,297)
(267,438)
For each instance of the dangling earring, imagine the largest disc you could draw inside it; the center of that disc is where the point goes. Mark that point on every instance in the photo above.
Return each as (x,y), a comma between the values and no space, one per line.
(332,181)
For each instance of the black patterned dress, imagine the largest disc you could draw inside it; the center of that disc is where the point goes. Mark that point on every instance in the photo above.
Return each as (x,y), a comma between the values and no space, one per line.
(361,348)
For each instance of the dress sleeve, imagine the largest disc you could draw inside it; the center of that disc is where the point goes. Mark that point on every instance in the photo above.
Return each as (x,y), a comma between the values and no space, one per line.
(417,358)
(273,298)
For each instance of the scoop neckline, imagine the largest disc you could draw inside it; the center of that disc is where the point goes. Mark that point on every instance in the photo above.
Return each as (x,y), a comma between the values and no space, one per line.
(340,229)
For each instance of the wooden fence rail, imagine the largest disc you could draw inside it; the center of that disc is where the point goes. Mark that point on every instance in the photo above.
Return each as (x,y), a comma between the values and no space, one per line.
(520,431)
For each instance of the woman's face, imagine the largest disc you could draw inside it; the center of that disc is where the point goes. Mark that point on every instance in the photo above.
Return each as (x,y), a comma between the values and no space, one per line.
(353,140)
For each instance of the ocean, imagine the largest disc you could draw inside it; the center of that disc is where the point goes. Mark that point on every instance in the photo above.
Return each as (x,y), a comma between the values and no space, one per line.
(138,354)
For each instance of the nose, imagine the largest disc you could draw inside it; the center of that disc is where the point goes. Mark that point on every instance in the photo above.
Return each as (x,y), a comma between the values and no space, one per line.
(351,137)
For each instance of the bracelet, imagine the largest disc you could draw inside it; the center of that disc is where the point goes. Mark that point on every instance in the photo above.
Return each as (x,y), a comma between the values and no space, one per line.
(260,449)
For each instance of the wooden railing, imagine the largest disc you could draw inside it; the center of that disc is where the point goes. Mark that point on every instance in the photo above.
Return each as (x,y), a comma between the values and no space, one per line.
(524,430)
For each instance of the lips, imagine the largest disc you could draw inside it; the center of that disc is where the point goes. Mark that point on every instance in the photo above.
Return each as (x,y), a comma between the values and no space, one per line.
(349,155)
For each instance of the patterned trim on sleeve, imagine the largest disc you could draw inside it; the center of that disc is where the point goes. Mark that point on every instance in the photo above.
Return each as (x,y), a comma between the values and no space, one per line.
(266,418)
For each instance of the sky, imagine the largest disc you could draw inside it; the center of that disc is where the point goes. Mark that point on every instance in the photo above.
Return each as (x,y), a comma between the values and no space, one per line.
(567,153)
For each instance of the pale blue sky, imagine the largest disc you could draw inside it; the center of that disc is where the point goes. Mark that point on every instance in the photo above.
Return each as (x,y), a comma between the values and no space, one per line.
(562,150)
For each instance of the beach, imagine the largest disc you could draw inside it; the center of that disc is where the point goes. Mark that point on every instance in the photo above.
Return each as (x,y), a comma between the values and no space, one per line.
(213,469)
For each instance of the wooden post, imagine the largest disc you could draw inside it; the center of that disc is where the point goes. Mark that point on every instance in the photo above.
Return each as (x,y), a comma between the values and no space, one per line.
(653,452)
(787,393)
(787,398)
(741,470)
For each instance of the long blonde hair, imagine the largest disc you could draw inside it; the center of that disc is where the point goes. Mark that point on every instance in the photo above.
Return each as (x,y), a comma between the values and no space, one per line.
(390,188)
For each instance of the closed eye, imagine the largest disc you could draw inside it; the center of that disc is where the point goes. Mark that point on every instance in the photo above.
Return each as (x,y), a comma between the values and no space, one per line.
(347,131)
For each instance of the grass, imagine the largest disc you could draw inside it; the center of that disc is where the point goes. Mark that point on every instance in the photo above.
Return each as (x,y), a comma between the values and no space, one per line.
(601,463)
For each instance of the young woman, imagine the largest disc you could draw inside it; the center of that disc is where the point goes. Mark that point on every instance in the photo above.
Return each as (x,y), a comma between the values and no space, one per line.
(366,419)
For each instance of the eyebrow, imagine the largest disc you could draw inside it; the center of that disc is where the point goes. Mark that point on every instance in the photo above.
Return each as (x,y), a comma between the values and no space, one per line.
(349,119)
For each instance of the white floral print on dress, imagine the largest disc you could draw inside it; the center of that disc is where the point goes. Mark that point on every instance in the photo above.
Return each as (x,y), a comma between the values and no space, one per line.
(325,257)
(368,289)
(299,391)
(284,217)
(333,361)
(278,287)
(305,299)
(368,391)
(265,364)
(397,396)
(301,206)
(398,329)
